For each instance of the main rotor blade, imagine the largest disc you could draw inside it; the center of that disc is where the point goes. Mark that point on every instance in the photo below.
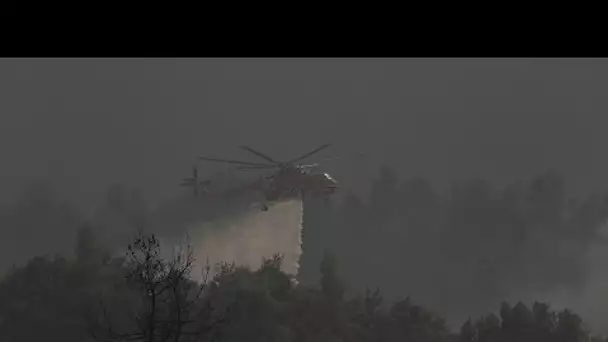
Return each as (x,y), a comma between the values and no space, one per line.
(259,154)
(324,146)
(255,167)
(233,161)
(331,159)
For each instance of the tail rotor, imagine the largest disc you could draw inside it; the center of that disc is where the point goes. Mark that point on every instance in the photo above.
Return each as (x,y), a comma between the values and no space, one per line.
(194,182)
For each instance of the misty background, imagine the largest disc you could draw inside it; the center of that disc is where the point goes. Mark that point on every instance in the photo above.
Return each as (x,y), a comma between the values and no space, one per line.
(79,127)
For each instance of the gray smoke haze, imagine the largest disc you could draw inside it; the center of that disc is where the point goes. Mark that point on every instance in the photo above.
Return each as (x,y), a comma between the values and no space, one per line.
(591,300)
(83,124)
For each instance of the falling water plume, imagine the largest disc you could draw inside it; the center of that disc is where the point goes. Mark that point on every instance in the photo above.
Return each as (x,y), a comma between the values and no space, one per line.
(249,238)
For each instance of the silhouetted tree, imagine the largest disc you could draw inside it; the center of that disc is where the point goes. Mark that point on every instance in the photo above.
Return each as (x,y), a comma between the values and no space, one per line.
(331,284)
(258,302)
(416,323)
(468,333)
(167,304)
(320,235)
(569,328)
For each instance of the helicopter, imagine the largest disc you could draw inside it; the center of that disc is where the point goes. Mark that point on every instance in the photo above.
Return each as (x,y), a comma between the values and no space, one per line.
(195,183)
(291,180)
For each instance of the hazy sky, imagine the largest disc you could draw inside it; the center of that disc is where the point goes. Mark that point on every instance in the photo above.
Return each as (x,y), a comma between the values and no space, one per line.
(85,123)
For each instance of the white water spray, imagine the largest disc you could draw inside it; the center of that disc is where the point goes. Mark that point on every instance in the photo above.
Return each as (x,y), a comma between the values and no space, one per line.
(248,238)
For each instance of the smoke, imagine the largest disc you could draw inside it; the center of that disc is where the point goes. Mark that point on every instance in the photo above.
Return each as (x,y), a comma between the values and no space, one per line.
(248,238)
(591,301)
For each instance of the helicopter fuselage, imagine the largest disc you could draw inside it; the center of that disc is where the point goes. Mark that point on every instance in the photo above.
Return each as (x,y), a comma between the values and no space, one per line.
(293,184)
(291,180)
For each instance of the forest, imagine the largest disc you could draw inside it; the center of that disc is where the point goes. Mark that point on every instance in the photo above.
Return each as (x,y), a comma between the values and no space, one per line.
(396,266)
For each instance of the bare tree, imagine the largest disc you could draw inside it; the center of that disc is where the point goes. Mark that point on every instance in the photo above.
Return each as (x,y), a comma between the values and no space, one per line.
(163,305)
